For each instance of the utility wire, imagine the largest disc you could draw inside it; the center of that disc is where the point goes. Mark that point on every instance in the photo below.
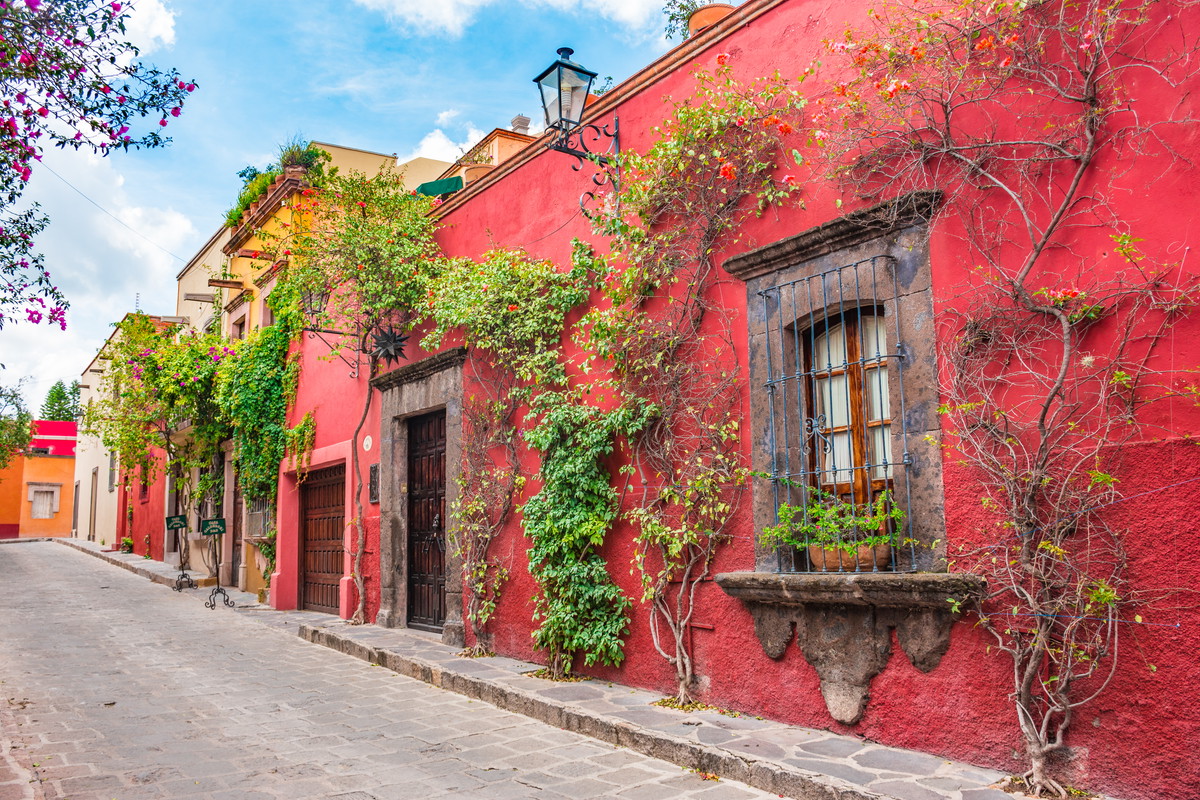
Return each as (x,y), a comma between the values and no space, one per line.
(114,216)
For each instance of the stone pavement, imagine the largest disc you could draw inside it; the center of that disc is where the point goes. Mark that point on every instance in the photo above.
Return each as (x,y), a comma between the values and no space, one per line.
(781,759)
(117,688)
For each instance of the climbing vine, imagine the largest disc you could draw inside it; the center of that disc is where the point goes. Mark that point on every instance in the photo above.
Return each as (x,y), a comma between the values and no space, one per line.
(255,394)
(714,164)
(580,609)
(512,310)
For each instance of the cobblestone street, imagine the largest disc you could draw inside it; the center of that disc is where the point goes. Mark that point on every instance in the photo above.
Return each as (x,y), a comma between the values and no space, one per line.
(114,687)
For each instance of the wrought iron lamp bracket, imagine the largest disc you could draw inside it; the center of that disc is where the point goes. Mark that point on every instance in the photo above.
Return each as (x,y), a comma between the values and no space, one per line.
(583,142)
(316,333)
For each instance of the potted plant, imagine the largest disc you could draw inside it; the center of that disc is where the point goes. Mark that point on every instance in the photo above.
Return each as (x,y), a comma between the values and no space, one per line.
(127,545)
(839,536)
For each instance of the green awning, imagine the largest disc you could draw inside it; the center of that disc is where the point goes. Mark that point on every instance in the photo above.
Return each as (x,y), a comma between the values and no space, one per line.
(439,188)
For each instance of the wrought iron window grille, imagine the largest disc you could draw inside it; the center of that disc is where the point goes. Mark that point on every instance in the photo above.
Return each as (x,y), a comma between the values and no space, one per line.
(836,419)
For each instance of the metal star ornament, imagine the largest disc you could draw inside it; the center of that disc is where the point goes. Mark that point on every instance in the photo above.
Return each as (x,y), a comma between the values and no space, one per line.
(389,344)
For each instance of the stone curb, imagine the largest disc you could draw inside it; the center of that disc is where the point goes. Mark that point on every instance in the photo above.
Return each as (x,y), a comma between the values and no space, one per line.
(137,569)
(762,774)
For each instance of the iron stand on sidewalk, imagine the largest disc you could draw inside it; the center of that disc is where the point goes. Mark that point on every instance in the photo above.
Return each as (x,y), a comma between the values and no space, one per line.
(214,528)
(183,579)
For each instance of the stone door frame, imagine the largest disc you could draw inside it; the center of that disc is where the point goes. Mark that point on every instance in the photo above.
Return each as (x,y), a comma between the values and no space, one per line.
(433,383)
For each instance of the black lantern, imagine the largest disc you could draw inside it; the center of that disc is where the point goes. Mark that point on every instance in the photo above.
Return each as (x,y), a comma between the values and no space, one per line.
(564,86)
(313,301)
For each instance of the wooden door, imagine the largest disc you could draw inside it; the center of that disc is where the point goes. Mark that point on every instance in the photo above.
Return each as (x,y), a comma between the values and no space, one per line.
(323,502)
(92,500)
(426,521)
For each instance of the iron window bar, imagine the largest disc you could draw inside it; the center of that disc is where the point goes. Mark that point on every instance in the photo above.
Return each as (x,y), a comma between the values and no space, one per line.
(836,406)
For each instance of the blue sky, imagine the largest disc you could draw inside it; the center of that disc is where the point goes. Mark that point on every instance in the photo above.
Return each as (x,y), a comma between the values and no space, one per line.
(411,77)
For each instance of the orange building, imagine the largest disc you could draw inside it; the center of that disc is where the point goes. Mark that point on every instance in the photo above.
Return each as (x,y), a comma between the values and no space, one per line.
(37,487)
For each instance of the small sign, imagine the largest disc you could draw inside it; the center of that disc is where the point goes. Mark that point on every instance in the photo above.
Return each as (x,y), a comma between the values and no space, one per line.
(212,527)
(177,523)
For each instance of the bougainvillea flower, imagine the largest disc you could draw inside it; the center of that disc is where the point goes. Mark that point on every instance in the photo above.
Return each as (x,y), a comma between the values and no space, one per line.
(722,59)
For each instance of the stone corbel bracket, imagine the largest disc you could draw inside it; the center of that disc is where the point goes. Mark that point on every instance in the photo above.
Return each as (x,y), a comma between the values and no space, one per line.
(843,623)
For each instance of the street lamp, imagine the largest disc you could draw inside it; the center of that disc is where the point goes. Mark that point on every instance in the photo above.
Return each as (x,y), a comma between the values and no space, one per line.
(565,87)
(313,301)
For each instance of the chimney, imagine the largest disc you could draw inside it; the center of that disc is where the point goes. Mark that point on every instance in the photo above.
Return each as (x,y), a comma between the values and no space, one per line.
(520,124)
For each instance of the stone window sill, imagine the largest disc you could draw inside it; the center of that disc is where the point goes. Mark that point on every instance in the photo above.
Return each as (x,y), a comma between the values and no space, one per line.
(879,589)
(843,623)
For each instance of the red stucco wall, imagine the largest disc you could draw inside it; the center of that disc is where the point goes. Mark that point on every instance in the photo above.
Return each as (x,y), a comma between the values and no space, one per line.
(1147,716)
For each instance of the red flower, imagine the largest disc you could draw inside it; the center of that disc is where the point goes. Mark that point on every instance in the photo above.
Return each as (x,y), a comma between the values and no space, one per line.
(176,111)
(163,122)
(785,128)
(362,204)
(512,307)
(722,59)
(728,171)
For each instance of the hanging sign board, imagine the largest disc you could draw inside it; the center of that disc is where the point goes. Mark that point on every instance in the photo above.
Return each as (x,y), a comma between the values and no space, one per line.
(176,523)
(212,527)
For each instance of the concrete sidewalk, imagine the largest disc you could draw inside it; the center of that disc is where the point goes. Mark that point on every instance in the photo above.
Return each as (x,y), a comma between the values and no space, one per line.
(782,759)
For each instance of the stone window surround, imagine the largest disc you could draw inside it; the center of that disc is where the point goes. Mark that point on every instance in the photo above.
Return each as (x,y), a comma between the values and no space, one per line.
(55,490)
(843,622)
(433,383)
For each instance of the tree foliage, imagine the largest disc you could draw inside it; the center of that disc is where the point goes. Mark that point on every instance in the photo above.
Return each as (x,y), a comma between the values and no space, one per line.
(68,77)
(61,403)
(15,424)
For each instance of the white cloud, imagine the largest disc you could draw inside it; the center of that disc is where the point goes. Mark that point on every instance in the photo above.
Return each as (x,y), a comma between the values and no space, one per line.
(447,116)
(453,16)
(101,266)
(151,26)
(436,144)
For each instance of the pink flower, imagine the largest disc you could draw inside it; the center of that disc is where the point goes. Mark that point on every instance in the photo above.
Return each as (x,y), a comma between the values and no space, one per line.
(176,111)
(191,87)
(116,7)
(722,59)
(163,122)
(44,112)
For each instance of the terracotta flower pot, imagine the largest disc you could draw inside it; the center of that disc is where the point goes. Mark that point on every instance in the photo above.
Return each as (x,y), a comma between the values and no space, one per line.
(865,559)
(707,16)
(476,171)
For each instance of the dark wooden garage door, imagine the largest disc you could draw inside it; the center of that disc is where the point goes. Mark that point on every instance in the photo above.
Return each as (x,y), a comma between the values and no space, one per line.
(426,521)
(324,501)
